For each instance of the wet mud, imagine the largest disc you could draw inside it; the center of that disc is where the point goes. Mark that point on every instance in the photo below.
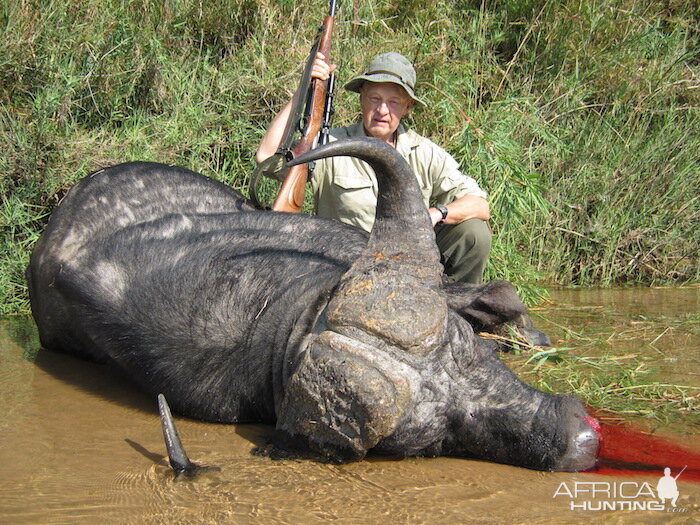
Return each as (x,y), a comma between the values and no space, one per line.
(80,443)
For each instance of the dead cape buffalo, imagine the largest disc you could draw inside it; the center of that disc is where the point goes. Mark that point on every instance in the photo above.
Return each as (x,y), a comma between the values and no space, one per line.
(346,342)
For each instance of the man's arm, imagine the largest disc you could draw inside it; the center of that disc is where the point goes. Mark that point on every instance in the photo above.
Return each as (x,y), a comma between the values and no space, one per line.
(270,142)
(462,209)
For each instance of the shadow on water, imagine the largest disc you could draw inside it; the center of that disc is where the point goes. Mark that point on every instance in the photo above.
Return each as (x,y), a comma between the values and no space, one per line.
(258,435)
(101,380)
(107,382)
(158,459)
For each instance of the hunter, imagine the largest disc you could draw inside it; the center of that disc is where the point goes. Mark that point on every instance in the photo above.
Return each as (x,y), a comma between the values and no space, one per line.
(345,188)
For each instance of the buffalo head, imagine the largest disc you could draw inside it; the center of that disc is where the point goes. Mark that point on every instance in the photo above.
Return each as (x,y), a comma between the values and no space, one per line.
(393,364)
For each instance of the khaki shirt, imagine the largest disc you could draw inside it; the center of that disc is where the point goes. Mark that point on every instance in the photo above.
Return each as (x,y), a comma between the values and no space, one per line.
(345,188)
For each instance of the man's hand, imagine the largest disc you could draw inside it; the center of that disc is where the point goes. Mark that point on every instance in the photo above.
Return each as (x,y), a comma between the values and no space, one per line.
(435,215)
(272,138)
(322,69)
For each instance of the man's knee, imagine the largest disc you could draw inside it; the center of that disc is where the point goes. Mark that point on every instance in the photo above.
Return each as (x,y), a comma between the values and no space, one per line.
(477,236)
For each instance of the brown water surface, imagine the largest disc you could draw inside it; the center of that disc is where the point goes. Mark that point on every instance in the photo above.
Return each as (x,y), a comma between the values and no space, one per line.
(81,444)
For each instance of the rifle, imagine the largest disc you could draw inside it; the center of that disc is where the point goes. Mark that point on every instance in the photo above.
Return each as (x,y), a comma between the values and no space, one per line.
(317,98)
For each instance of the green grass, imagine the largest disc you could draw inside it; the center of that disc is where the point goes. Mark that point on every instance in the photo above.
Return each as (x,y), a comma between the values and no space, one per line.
(581,119)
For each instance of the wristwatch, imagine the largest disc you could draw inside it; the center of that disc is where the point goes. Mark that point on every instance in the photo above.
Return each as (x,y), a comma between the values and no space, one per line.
(442,209)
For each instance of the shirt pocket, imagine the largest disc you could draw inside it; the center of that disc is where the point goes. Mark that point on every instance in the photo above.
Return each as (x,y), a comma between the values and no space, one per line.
(345,182)
(354,197)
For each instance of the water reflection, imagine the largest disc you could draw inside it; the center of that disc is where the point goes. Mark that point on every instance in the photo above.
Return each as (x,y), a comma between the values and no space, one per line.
(80,443)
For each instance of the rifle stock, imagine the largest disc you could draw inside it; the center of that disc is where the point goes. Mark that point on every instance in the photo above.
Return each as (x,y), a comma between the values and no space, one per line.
(291,194)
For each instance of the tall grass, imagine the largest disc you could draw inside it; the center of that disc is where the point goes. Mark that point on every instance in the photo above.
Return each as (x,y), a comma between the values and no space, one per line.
(581,119)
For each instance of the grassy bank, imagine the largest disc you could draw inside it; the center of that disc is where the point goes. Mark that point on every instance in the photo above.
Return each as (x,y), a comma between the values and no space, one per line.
(581,119)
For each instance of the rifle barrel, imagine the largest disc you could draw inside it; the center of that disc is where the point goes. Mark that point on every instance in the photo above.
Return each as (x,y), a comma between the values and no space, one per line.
(291,195)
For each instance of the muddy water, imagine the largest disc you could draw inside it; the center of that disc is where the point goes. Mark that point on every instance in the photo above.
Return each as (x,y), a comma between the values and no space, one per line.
(80,444)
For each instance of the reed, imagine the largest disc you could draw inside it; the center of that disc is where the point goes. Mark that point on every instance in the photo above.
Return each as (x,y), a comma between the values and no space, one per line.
(621,387)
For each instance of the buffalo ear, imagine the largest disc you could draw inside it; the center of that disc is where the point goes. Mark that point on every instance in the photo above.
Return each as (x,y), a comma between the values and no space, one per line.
(342,400)
(494,308)
(485,306)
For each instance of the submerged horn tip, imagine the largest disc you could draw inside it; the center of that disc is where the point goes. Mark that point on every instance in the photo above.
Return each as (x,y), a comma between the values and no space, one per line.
(179,461)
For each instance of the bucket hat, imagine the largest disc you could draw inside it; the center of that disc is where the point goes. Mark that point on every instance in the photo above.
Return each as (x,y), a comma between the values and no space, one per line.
(388,67)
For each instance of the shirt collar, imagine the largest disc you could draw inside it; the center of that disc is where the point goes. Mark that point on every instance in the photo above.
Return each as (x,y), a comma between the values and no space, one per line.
(406,140)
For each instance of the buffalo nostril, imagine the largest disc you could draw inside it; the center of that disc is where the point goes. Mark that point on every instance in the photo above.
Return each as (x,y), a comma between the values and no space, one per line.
(582,452)
(587,443)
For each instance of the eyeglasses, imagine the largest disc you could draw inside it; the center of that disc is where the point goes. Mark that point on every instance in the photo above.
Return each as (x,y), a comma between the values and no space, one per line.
(393,104)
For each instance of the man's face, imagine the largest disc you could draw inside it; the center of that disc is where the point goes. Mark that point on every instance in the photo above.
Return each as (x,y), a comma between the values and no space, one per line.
(383,106)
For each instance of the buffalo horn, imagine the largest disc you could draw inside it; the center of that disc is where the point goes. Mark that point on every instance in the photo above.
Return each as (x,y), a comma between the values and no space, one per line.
(179,461)
(393,290)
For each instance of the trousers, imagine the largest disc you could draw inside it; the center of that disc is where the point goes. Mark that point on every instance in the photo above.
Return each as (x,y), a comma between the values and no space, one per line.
(464,249)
